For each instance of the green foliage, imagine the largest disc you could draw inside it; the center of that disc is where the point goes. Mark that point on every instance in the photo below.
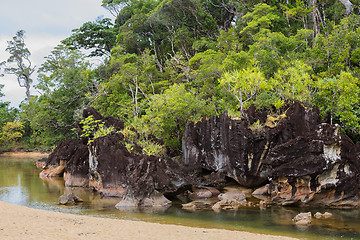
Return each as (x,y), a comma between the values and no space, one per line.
(168,112)
(93,129)
(149,147)
(340,97)
(7,114)
(98,36)
(245,85)
(257,127)
(65,79)
(11,132)
(262,17)
(170,61)
(293,82)
(89,126)
(134,80)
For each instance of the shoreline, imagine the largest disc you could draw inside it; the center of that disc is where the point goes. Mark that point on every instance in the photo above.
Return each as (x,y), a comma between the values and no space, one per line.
(24,154)
(19,222)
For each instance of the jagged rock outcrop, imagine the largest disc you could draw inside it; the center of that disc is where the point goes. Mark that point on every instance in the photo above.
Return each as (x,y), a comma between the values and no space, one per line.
(107,166)
(304,159)
(68,160)
(226,147)
(143,179)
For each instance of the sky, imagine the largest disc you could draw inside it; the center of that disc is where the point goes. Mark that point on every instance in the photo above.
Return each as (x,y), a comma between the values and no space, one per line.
(46,23)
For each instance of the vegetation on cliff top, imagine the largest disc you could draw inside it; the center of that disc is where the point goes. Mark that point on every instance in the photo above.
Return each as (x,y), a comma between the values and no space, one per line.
(170,61)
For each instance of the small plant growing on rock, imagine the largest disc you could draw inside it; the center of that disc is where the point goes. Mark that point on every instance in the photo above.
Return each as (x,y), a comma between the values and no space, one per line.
(257,127)
(151,148)
(93,129)
(131,137)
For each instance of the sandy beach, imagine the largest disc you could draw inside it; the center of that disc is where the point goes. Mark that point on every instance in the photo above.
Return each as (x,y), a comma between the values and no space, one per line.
(18,222)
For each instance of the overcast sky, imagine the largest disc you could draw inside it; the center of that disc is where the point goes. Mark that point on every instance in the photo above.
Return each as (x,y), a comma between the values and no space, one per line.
(46,23)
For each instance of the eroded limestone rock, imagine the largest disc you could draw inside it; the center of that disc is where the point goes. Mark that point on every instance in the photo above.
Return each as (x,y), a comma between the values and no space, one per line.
(305,160)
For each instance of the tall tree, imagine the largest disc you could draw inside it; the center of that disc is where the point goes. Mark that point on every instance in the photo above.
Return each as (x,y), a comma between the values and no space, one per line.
(98,36)
(1,86)
(114,6)
(64,78)
(19,62)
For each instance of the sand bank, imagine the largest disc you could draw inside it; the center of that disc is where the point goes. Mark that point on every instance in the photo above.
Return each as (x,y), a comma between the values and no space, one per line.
(24,154)
(17,222)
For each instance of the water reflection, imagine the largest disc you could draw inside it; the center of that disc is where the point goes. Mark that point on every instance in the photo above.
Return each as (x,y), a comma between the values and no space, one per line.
(20,184)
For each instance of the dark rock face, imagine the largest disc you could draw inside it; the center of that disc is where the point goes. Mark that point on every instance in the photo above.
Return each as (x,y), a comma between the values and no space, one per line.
(220,145)
(108,161)
(140,177)
(305,160)
(225,147)
(70,156)
(319,169)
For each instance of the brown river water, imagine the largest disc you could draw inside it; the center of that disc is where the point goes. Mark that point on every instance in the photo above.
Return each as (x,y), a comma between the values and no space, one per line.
(20,184)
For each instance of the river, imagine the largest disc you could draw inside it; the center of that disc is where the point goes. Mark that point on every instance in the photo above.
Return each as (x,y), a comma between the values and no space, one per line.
(20,184)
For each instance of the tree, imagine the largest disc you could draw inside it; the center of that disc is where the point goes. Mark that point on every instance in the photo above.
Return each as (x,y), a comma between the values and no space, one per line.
(99,36)
(293,82)
(7,114)
(168,112)
(349,7)
(19,62)
(114,6)
(134,80)
(64,78)
(262,17)
(339,96)
(11,132)
(244,85)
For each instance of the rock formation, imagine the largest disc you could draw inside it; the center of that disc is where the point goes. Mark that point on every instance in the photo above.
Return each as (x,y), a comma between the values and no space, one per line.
(69,160)
(107,166)
(69,199)
(305,160)
(292,158)
(303,218)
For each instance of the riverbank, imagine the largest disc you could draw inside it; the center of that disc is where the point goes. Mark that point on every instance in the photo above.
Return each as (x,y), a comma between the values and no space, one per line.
(18,222)
(24,154)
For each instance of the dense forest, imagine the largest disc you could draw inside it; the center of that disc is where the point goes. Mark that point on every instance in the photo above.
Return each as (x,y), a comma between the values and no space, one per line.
(166,62)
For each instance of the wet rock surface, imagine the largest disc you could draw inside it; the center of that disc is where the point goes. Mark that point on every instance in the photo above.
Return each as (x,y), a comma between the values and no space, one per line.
(69,199)
(40,163)
(303,218)
(325,215)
